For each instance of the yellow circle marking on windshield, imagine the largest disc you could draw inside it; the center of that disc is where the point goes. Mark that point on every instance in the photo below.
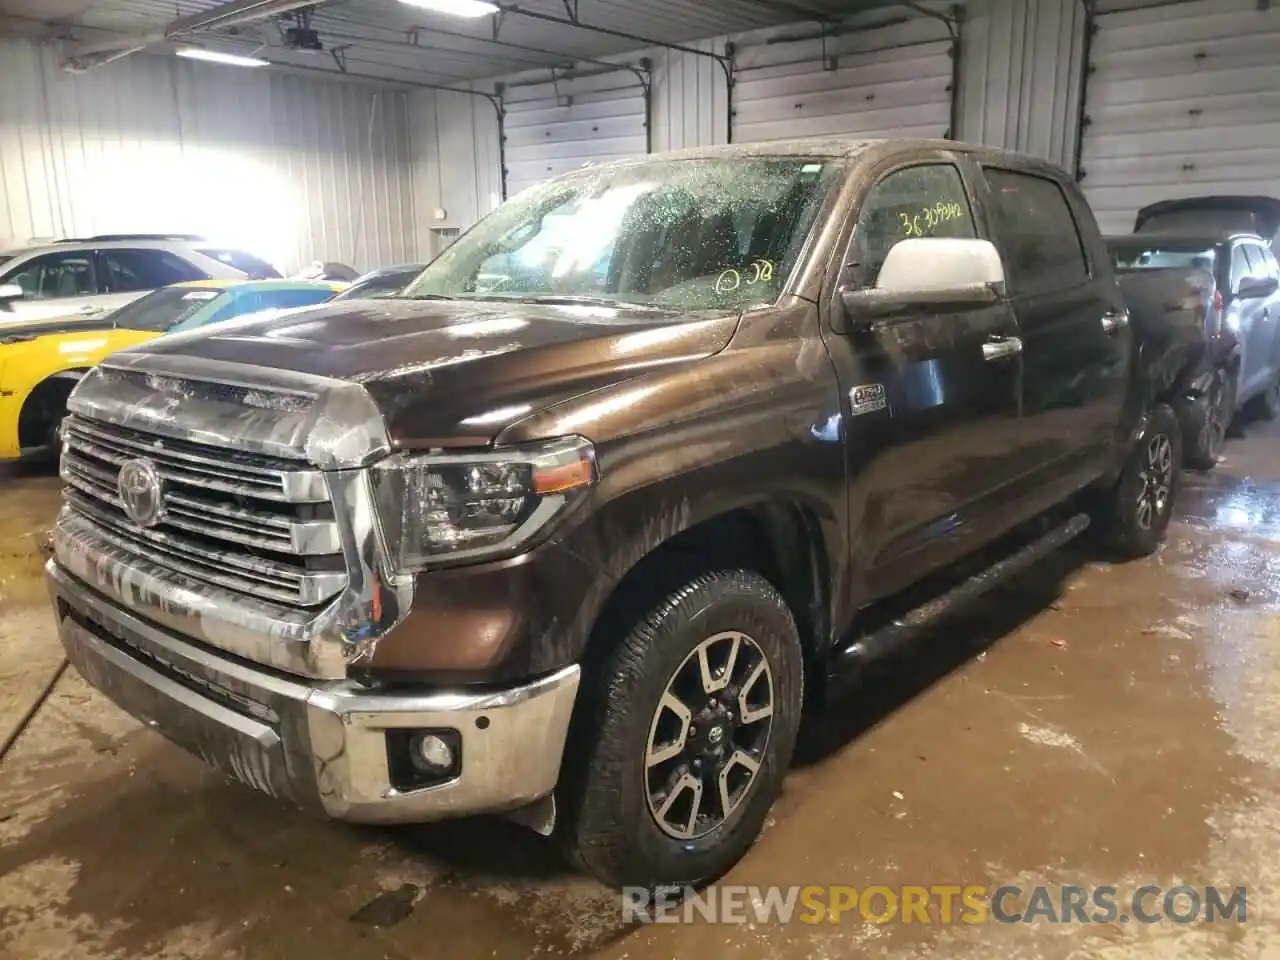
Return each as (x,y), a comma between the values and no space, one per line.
(728,282)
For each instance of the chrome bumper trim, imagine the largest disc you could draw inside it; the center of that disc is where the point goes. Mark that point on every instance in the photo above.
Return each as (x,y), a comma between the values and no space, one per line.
(327,424)
(319,743)
(321,642)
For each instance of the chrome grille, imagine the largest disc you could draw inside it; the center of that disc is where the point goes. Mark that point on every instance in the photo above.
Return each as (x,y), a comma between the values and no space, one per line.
(256,525)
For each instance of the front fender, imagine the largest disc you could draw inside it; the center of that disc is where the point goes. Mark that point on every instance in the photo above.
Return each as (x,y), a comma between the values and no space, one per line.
(26,364)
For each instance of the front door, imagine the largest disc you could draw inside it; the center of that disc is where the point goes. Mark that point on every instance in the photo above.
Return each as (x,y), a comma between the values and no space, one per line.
(930,395)
(61,284)
(1076,340)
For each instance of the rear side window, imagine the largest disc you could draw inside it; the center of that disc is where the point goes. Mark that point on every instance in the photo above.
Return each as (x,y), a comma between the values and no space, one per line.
(129,270)
(254,267)
(1035,232)
(1273,268)
(922,201)
(1260,263)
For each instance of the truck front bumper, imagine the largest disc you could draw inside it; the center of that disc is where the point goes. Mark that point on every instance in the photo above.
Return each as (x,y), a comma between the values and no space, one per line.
(323,744)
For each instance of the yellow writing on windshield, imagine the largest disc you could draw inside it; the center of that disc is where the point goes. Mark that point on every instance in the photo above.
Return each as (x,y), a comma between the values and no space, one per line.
(757,271)
(925,221)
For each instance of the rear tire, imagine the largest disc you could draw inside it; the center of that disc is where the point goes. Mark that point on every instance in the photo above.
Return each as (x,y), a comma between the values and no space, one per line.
(1136,513)
(1205,420)
(683,734)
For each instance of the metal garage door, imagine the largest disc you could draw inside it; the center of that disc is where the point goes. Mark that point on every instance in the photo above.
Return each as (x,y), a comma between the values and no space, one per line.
(561,125)
(1182,99)
(890,80)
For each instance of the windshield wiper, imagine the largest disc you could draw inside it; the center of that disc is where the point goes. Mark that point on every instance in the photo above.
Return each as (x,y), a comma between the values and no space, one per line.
(428,296)
(581,300)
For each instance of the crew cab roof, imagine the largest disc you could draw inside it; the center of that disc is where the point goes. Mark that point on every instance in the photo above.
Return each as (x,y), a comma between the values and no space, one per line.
(835,147)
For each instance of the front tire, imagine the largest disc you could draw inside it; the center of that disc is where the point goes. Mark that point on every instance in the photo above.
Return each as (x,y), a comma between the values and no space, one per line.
(1138,509)
(1266,406)
(683,734)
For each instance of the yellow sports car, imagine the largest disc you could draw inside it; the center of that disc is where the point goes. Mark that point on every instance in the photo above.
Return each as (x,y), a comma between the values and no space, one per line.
(41,361)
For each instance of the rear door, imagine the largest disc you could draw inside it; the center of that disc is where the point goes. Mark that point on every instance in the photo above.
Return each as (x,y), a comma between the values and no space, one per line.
(1254,317)
(1076,341)
(930,395)
(127,273)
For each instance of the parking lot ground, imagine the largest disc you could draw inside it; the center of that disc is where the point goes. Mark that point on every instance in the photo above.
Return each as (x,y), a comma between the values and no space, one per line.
(1089,724)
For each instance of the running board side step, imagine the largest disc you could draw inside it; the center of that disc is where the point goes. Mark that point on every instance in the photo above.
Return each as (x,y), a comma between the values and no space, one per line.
(847,662)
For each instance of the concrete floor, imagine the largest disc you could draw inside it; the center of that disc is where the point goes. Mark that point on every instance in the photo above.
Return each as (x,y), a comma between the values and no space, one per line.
(1089,724)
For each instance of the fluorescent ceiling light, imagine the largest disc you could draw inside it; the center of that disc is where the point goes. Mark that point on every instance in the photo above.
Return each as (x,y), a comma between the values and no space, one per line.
(458,8)
(217,56)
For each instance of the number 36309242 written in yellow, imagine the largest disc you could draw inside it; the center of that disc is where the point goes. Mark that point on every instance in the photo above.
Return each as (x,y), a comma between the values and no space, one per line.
(922,223)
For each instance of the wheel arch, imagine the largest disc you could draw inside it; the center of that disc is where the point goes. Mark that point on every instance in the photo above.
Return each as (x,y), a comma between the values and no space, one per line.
(779,538)
(31,424)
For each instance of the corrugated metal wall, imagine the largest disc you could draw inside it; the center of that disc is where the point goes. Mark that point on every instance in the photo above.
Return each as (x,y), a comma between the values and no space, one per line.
(294,168)
(891,76)
(1021,66)
(1183,99)
(562,125)
(457,174)
(690,106)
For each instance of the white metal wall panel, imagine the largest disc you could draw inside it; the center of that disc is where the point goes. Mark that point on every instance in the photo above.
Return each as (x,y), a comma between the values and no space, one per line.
(1182,99)
(457,177)
(690,105)
(888,80)
(293,168)
(554,127)
(1021,64)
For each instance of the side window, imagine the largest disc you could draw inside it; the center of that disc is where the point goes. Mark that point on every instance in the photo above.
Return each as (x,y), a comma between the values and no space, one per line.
(131,270)
(1036,233)
(1273,269)
(1258,266)
(294,298)
(55,275)
(234,307)
(1240,267)
(923,201)
(246,263)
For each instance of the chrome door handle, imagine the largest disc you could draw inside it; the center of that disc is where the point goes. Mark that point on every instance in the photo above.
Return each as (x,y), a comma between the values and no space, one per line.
(1111,322)
(999,349)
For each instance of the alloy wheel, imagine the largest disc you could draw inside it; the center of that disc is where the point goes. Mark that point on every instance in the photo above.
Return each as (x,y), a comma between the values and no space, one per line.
(1157,480)
(1213,431)
(708,735)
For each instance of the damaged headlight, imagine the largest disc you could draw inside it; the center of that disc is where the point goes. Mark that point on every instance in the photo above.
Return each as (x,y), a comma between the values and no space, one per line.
(448,507)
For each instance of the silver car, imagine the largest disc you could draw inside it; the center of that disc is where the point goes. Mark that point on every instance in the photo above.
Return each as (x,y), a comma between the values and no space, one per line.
(98,274)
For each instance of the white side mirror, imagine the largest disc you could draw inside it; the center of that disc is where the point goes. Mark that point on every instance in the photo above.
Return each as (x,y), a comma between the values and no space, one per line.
(939,264)
(10,291)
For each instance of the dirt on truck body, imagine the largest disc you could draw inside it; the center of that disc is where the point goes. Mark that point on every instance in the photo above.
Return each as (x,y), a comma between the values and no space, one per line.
(576,526)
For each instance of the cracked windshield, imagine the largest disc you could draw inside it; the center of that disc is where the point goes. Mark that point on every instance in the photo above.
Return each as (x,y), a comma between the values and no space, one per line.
(697,235)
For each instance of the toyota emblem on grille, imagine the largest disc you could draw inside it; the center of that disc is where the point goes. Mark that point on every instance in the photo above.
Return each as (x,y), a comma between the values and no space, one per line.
(141,491)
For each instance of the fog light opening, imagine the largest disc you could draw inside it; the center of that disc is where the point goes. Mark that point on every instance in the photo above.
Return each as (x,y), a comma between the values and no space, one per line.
(432,753)
(419,758)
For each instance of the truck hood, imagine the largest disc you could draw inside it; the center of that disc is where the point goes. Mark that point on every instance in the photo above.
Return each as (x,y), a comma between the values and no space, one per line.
(456,373)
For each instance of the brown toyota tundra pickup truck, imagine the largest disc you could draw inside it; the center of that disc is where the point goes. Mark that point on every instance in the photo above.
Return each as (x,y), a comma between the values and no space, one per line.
(574,528)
